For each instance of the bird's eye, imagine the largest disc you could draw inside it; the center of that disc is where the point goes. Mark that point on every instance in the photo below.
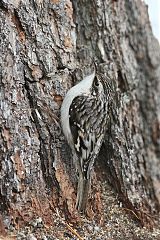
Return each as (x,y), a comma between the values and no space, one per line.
(96,82)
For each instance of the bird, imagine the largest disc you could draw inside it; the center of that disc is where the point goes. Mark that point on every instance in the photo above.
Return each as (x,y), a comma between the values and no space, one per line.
(84,114)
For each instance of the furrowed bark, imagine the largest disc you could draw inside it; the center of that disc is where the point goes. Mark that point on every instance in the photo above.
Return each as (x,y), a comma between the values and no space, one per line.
(47,46)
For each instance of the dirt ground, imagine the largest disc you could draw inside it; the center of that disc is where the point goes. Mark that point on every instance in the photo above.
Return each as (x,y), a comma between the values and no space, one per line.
(117,225)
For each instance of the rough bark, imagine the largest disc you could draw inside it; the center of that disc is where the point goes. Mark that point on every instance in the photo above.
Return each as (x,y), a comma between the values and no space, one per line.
(45,47)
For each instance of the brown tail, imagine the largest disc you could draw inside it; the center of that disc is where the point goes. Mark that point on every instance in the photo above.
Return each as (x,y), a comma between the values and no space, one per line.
(82,194)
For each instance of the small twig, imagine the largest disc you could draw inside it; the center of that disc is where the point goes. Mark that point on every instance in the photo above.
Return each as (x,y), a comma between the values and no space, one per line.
(149,215)
(132,212)
(73,231)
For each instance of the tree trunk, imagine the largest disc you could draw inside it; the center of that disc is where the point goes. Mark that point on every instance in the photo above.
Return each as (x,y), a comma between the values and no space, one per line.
(46,47)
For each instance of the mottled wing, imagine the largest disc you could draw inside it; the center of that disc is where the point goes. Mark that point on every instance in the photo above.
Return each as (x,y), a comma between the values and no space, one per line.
(87,123)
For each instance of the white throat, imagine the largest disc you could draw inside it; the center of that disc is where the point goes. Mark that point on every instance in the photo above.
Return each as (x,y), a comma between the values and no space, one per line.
(80,89)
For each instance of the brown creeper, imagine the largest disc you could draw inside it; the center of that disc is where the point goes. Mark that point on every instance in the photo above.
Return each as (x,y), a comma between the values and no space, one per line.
(84,117)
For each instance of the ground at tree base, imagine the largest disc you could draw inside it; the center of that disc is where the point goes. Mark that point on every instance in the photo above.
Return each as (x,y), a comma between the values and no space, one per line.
(117,225)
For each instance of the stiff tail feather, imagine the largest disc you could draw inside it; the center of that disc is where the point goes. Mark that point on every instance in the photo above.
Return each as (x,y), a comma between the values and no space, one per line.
(82,193)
